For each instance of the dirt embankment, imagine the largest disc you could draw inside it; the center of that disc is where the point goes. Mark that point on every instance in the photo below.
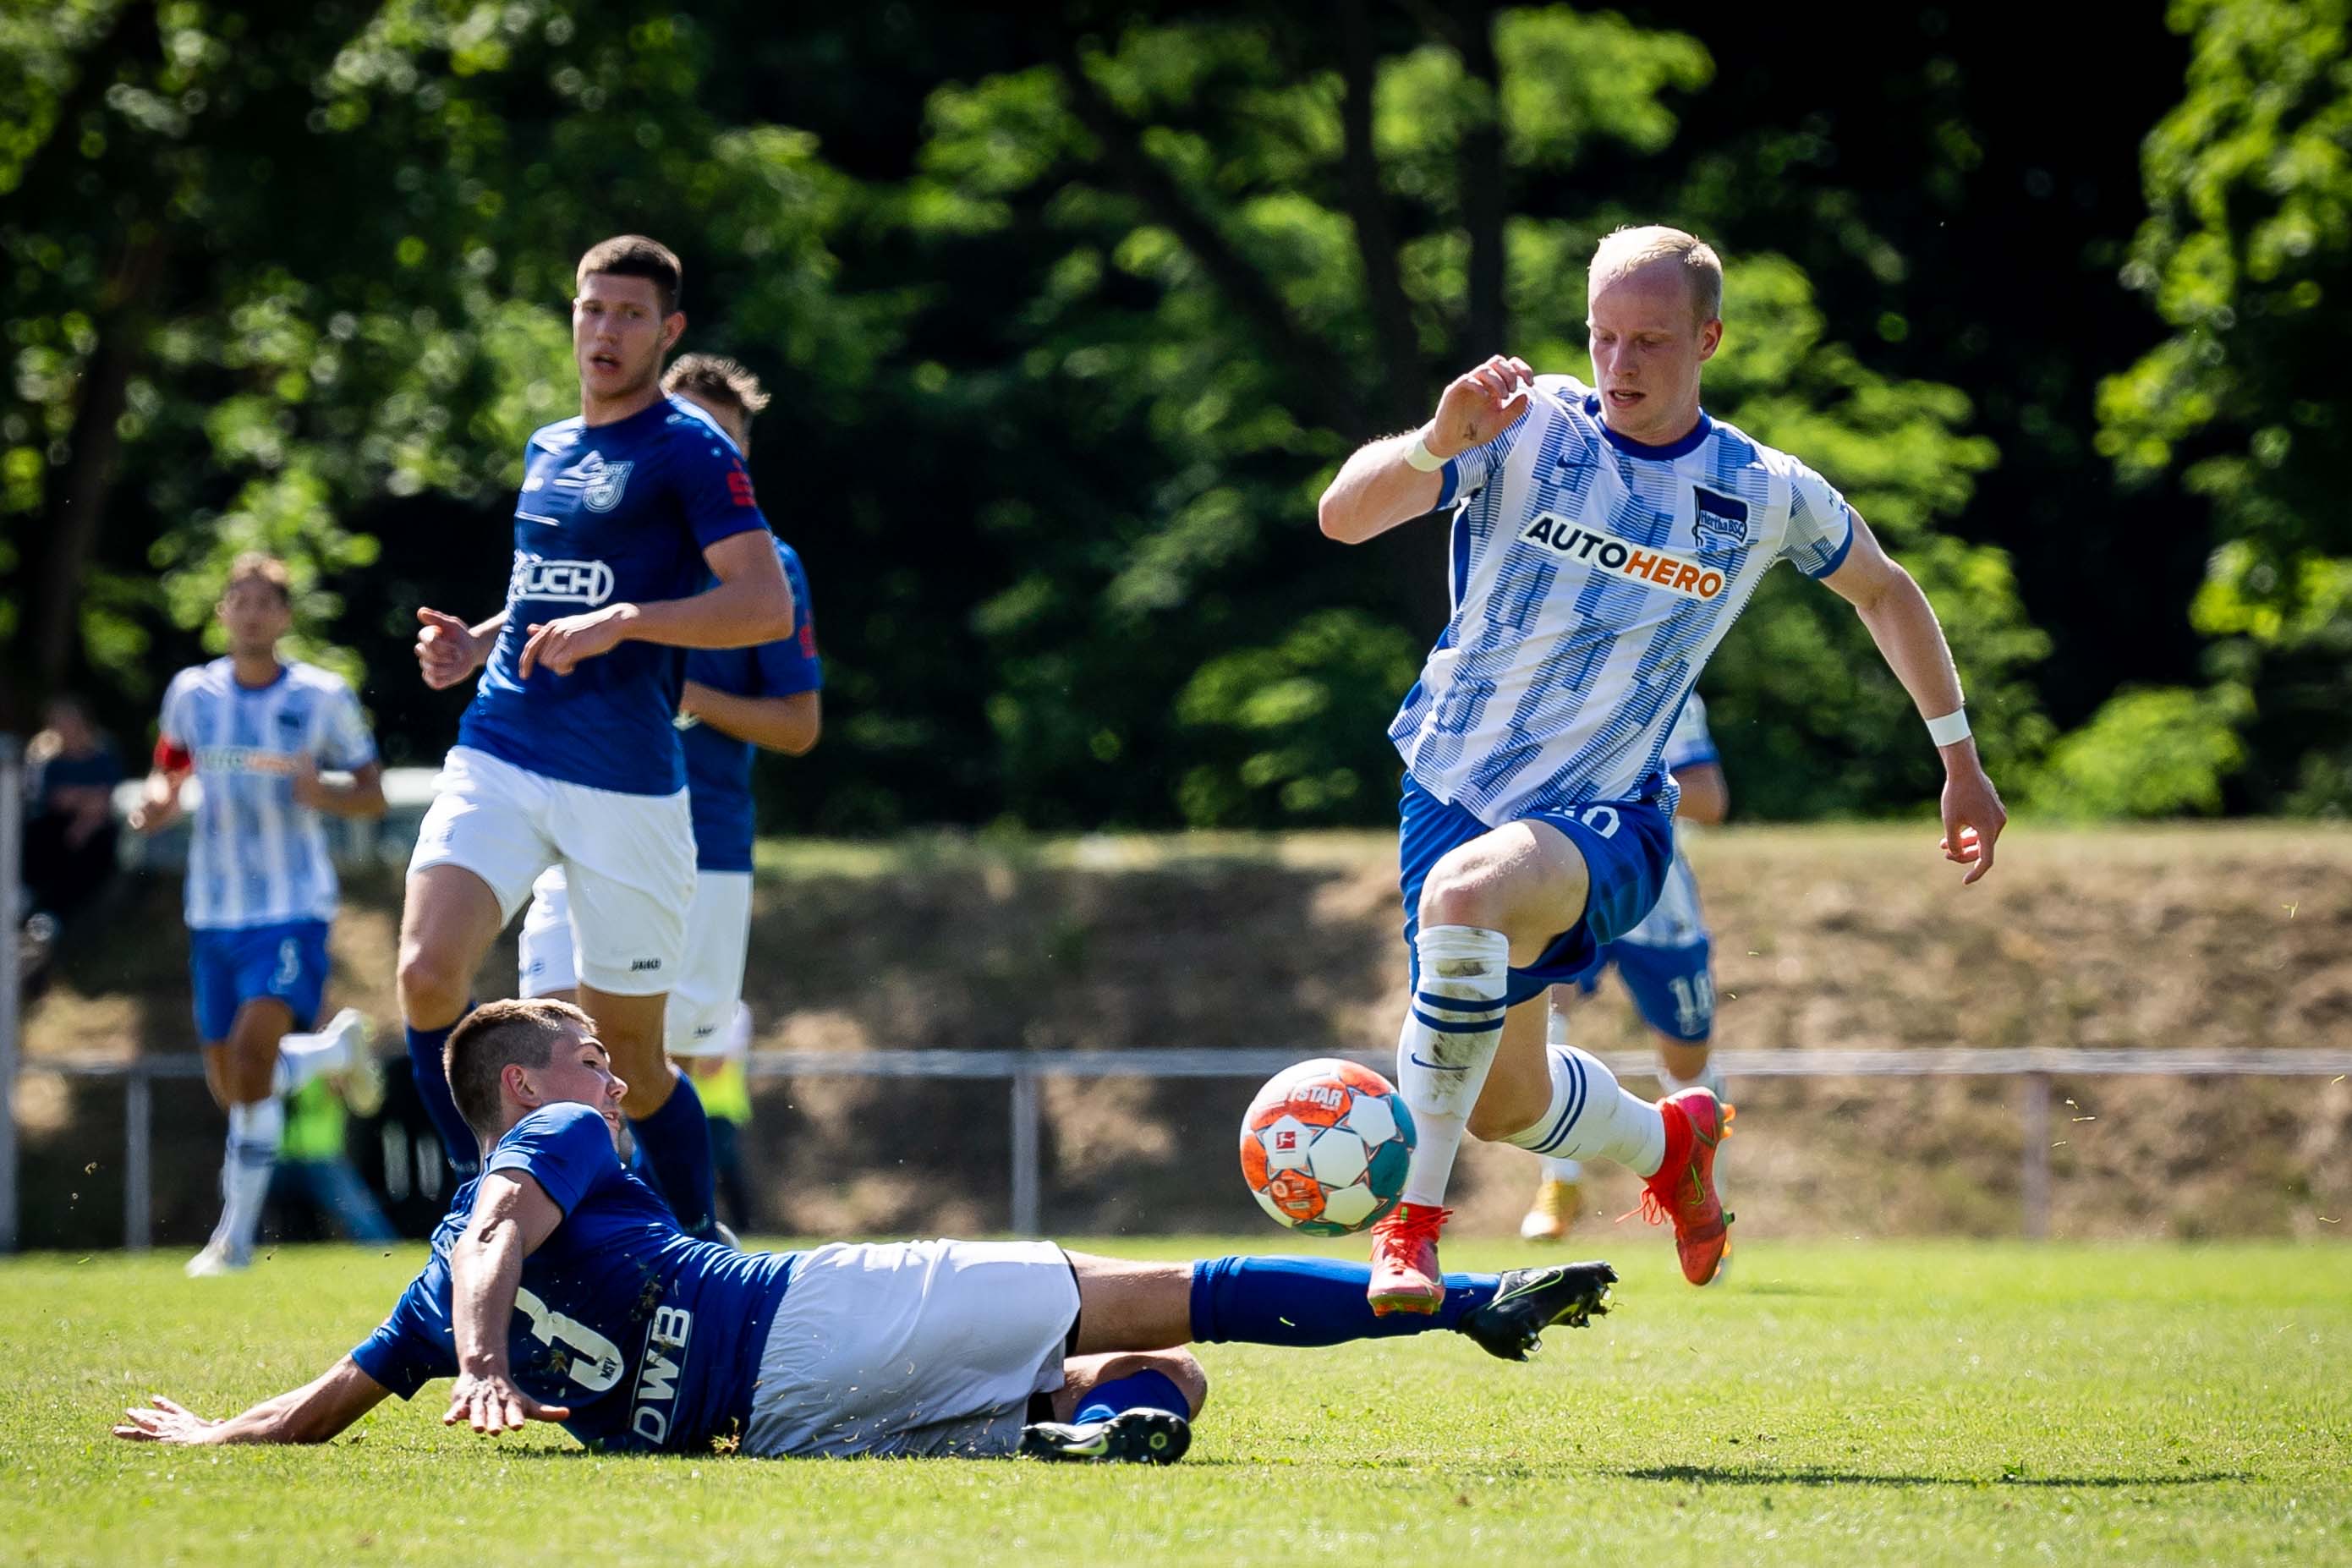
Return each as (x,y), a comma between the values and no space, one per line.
(2221,938)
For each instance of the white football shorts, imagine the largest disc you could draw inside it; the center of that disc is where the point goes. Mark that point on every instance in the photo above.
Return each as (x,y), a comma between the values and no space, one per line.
(710,983)
(629,860)
(913,1349)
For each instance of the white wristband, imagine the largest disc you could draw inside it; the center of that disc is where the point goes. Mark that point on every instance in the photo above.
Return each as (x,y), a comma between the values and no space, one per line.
(1419,457)
(1951,727)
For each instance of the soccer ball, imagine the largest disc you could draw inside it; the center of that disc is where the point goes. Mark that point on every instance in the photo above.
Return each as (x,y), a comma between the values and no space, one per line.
(1325,1146)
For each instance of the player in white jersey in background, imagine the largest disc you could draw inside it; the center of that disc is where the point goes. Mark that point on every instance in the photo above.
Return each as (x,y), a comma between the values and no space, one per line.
(1605,537)
(254,732)
(1665,963)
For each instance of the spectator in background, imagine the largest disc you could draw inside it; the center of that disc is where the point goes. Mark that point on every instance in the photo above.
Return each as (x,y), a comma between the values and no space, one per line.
(70,829)
(726,1091)
(314,1169)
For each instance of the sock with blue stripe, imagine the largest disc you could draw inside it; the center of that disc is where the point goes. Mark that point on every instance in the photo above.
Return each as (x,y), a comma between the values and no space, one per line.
(1145,1389)
(1591,1118)
(463,1150)
(1312,1301)
(675,1142)
(1452,1026)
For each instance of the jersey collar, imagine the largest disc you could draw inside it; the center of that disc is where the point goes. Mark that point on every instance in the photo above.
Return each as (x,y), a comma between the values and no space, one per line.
(1627,445)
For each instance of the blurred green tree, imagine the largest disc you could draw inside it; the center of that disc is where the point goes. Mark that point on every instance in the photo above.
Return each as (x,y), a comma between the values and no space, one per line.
(2247,255)
(276,273)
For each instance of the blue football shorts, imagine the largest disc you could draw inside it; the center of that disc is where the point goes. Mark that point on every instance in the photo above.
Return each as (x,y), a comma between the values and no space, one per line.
(230,968)
(1627,845)
(1673,987)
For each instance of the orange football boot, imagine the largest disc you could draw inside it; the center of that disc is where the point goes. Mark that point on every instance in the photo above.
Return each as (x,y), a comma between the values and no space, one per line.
(1684,1189)
(1405,1260)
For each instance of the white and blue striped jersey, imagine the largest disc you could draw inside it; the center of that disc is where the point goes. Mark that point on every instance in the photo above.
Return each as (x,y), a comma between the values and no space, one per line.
(1592,578)
(255,858)
(1674,921)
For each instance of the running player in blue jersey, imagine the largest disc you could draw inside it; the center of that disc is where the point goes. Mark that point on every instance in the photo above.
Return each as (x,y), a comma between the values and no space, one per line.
(1666,963)
(560,1290)
(1605,537)
(254,731)
(567,755)
(736,701)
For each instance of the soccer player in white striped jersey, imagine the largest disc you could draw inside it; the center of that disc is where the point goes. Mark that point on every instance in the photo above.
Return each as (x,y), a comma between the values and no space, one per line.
(1605,539)
(254,732)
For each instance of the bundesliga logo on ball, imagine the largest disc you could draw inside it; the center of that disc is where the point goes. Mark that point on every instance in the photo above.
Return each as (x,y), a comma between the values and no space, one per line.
(1325,1146)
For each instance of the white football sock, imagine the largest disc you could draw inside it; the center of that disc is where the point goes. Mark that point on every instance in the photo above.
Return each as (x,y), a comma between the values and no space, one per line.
(1710,1079)
(1554,1168)
(253,1134)
(1590,1118)
(1447,1045)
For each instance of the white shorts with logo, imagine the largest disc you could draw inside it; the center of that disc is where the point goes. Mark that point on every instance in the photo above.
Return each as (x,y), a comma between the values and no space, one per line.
(709,985)
(914,1349)
(630,859)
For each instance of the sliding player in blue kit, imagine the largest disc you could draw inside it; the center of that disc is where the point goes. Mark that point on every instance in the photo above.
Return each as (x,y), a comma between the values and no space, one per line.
(567,755)
(561,1290)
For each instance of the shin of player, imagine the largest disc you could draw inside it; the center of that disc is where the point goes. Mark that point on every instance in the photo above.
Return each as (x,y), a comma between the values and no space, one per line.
(1605,539)
(261,890)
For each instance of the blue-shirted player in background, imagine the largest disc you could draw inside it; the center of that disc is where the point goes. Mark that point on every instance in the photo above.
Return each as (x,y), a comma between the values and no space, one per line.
(567,754)
(736,701)
(1666,963)
(1605,538)
(561,1290)
(254,730)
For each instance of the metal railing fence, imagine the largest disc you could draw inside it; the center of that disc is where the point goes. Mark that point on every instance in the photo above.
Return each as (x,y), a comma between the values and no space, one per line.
(2035,1068)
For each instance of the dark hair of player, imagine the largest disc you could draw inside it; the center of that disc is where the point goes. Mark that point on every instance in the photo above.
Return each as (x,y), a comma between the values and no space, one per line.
(254,566)
(495,1037)
(634,256)
(715,378)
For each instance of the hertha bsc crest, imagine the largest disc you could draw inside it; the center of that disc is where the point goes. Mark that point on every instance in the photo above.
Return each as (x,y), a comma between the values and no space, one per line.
(601,483)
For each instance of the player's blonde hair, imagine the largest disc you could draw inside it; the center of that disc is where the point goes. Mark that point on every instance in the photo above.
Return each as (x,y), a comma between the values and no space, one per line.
(1627,249)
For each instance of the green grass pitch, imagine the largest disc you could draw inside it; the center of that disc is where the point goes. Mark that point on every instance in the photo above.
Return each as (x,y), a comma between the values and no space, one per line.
(1882,1404)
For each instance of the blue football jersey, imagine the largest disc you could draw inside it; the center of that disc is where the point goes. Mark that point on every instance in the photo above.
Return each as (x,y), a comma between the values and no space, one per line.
(618,513)
(718,765)
(651,1338)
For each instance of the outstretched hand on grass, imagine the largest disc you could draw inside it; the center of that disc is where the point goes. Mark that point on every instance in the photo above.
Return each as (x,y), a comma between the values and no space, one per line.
(493,1404)
(170,1423)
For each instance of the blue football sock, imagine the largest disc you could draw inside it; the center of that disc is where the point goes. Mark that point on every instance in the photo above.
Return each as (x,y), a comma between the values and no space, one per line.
(1312,1301)
(1145,1389)
(675,1142)
(458,1140)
